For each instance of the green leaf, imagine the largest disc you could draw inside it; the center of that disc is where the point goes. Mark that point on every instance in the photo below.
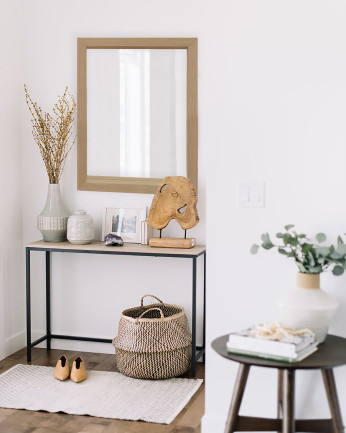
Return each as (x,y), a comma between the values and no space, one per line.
(311,259)
(336,256)
(279,235)
(283,251)
(267,245)
(315,270)
(321,237)
(306,247)
(292,241)
(289,226)
(338,270)
(341,249)
(301,267)
(254,249)
(323,251)
(340,241)
(301,236)
(265,238)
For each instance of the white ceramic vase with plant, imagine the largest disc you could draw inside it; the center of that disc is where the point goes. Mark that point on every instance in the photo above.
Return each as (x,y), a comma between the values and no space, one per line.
(52,133)
(307,305)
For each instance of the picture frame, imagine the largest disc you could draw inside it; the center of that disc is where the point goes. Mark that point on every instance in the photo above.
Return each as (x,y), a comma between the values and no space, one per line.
(124,222)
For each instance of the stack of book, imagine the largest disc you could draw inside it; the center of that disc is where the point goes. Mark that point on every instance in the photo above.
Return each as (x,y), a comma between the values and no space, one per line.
(287,349)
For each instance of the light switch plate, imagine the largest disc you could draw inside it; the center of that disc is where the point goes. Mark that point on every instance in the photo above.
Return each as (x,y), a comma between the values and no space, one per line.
(250,194)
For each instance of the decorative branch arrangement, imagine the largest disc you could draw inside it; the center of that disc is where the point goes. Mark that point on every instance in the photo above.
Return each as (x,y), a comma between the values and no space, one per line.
(52,132)
(310,258)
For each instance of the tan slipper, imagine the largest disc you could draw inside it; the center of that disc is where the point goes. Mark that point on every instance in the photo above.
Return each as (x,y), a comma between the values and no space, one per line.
(78,372)
(62,369)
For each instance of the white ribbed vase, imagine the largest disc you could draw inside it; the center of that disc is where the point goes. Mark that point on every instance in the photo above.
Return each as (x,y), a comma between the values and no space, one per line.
(80,228)
(308,306)
(52,221)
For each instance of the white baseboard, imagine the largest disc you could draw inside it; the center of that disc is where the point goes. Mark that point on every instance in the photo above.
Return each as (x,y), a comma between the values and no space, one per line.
(213,423)
(14,343)
(18,341)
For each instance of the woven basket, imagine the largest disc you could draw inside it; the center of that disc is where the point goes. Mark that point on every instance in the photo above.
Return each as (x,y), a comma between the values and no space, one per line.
(153,342)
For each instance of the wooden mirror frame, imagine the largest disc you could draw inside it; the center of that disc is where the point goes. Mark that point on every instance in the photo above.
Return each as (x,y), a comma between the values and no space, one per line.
(135,184)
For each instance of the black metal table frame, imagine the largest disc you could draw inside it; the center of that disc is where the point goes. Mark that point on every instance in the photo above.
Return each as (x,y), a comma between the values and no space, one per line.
(197,351)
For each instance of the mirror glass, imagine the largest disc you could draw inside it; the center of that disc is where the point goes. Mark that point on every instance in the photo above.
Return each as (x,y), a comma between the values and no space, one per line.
(136,112)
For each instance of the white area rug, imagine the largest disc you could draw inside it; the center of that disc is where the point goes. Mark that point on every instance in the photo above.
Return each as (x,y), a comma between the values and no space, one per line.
(104,394)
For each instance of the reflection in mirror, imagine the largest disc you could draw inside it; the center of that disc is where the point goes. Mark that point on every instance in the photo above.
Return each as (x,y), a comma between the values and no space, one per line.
(136,112)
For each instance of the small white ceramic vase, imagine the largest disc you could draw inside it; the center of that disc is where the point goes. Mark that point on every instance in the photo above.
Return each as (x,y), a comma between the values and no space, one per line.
(52,221)
(80,228)
(307,306)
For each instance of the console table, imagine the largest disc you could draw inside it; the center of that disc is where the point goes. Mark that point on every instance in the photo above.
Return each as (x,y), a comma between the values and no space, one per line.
(330,354)
(126,250)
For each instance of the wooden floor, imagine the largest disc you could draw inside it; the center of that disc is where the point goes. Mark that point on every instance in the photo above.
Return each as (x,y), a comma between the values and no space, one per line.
(22,421)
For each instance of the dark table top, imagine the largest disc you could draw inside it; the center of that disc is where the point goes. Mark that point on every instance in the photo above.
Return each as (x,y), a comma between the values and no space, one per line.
(331,353)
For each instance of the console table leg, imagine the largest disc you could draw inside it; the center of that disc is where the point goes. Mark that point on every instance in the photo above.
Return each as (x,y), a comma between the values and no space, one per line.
(28,305)
(48,330)
(280,392)
(194,289)
(333,401)
(238,392)
(288,420)
(204,296)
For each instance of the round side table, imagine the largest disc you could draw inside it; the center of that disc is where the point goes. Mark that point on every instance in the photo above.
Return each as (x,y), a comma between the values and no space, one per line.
(330,354)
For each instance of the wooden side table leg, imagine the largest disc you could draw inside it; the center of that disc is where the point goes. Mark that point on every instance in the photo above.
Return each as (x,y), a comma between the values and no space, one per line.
(288,420)
(280,393)
(329,383)
(237,397)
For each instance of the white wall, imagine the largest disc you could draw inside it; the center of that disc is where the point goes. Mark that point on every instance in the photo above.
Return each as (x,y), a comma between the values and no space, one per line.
(272,92)
(11,257)
(278,80)
(89,292)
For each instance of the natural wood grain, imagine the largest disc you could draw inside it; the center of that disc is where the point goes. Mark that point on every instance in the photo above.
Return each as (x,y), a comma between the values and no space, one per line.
(238,393)
(279,396)
(134,184)
(127,248)
(176,199)
(22,421)
(250,423)
(333,401)
(172,242)
(288,397)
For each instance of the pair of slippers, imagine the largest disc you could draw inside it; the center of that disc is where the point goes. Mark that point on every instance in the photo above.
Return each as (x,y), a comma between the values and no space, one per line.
(78,371)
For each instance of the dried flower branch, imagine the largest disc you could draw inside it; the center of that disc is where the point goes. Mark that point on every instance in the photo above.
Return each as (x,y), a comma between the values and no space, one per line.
(52,132)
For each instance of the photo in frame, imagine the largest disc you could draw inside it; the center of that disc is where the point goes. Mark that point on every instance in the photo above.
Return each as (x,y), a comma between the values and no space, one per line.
(124,222)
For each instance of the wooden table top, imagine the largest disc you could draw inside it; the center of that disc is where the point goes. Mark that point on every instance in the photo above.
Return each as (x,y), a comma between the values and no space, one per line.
(331,353)
(127,248)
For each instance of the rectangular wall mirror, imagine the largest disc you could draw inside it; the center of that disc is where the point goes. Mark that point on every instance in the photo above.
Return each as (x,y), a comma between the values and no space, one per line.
(137,113)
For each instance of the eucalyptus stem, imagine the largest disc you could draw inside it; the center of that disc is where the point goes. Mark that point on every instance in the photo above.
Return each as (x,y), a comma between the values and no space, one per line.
(311,258)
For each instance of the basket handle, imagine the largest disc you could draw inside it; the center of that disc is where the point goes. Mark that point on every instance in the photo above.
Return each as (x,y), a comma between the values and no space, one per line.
(151,309)
(152,296)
